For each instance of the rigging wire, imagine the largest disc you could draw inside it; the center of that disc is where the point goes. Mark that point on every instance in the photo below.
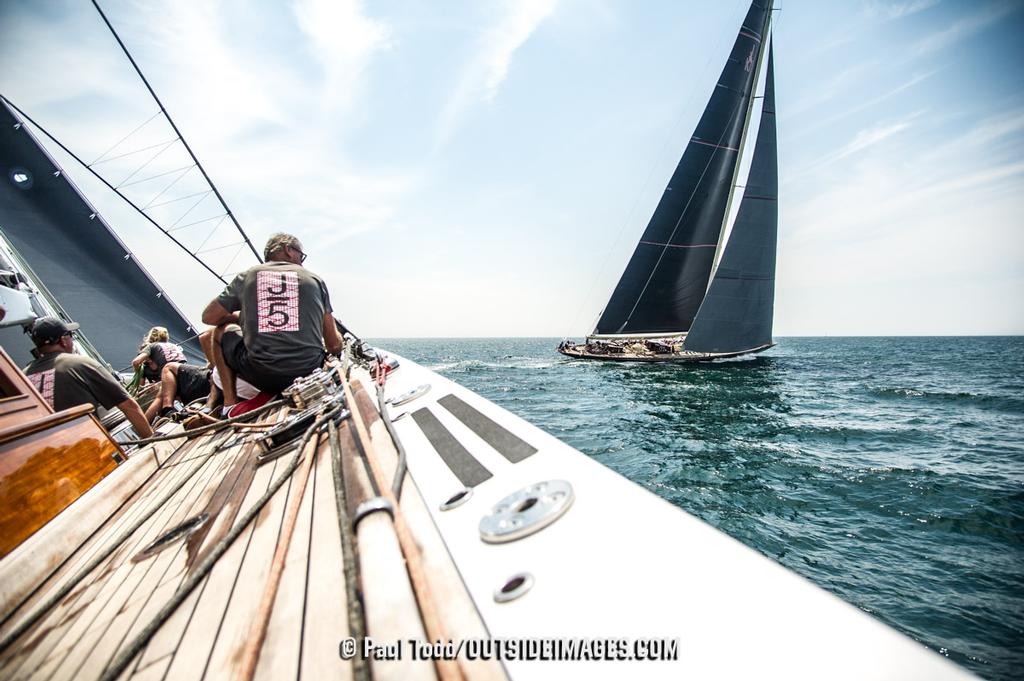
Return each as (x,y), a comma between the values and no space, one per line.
(184,143)
(151,159)
(130,153)
(190,209)
(173,182)
(119,142)
(180,198)
(153,177)
(112,187)
(197,222)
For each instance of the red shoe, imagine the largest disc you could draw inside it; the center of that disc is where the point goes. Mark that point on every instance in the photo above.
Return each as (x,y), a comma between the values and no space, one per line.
(250,404)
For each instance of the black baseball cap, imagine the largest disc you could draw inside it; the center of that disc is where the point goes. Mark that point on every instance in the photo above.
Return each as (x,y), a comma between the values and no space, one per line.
(47,330)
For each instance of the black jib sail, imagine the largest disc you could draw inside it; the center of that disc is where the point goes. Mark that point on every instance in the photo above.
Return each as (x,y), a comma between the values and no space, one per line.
(667,276)
(737,312)
(76,255)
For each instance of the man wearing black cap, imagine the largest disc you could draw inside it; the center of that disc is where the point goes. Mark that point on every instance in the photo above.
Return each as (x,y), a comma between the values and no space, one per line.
(67,380)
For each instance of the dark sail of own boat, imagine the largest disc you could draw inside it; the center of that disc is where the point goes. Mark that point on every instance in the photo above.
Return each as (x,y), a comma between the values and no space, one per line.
(692,292)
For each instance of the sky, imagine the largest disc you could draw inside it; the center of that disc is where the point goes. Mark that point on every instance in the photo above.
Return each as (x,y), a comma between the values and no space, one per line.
(485,168)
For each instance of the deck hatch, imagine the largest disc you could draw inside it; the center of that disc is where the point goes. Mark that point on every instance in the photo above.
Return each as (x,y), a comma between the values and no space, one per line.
(466,468)
(505,442)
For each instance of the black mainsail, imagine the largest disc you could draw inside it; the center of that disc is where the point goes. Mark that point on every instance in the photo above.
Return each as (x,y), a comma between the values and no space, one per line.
(667,277)
(736,314)
(76,255)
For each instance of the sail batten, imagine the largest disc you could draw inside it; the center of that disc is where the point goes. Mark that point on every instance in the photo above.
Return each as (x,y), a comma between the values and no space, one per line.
(667,276)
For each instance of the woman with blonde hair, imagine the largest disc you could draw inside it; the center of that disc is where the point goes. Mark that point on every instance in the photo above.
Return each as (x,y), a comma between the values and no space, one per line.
(157,334)
(164,362)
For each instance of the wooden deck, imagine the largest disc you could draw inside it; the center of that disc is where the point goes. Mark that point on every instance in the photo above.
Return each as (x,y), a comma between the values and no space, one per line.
(105,611)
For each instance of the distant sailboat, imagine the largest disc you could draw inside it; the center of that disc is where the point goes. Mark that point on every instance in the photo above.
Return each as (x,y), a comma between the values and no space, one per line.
(689,293)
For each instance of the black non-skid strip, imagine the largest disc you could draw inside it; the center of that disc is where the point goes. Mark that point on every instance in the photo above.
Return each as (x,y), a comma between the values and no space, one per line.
(467,469)
(509,445)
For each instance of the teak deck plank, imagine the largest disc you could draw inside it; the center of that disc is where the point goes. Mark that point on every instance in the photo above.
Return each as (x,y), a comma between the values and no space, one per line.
(197,640)
(279,655)
(177,566)
(326,616)
(165,642)
(252,576)
(166,639)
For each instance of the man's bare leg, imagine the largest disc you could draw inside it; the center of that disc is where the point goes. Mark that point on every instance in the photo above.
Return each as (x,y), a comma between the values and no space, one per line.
(169,383)
(154,408)
(213,399)
(168,389)
(227,376)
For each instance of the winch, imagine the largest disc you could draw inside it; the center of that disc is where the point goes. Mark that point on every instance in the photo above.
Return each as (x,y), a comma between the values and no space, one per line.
(309,394)
(308,391)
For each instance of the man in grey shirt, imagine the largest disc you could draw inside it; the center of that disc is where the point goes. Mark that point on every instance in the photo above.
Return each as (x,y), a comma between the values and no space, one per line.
(286,321)
(66,380)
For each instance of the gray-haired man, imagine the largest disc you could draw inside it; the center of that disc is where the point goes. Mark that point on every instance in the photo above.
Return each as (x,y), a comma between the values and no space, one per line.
(286,321)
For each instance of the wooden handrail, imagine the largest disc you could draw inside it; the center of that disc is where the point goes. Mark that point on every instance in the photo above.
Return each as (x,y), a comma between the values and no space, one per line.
(31,427)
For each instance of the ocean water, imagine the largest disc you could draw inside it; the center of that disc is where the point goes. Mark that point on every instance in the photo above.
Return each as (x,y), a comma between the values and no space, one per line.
(889,471)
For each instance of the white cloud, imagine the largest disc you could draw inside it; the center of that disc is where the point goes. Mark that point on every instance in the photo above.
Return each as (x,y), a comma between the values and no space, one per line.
(890,10)
(868,103)
(343,40)
(870,137)
(502,41)
(825,91)
(871,198)
(491,61)
(964,28)
(864,139)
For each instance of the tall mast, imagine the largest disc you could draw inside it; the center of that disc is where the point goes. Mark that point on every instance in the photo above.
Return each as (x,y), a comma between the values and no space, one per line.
(743,142)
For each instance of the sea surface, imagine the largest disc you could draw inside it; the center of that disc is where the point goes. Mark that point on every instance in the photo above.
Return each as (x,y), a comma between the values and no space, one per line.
(889,471)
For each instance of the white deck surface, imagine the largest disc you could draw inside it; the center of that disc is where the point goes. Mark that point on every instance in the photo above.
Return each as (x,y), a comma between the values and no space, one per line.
(624,564)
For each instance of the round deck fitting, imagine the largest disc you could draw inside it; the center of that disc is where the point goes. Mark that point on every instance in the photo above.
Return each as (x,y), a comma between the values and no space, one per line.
(172,536)
(457,499)
(516,586)
(418,391)
(526,511)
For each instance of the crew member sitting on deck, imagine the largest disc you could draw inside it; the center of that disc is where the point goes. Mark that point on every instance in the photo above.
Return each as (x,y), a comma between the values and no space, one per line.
(181,381)
(286,320)
(165,363)
(67,380)
(155,352)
